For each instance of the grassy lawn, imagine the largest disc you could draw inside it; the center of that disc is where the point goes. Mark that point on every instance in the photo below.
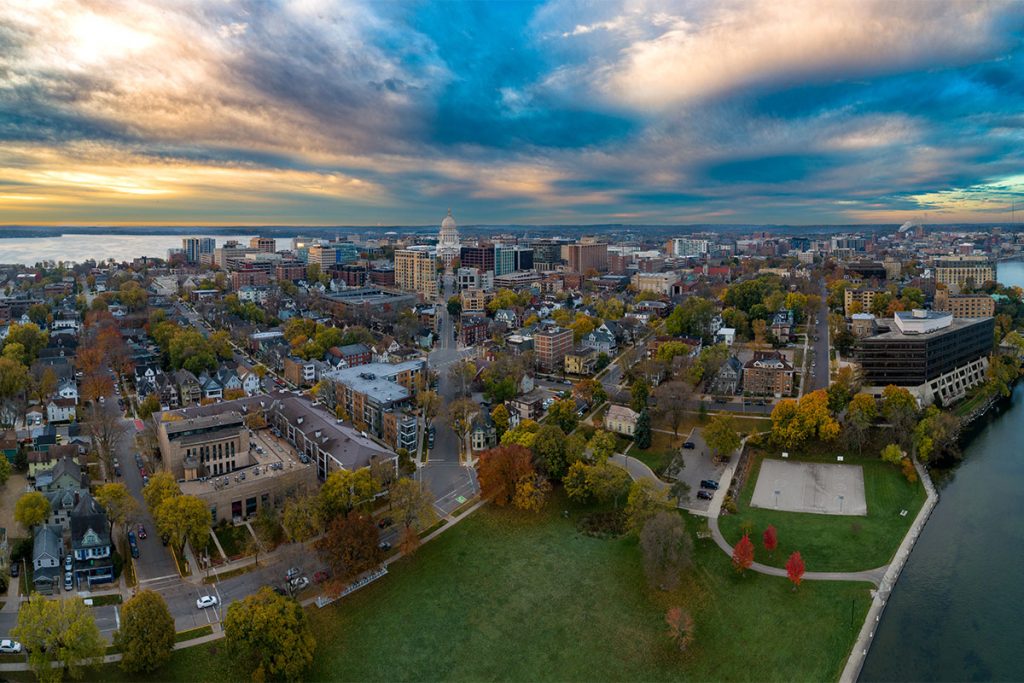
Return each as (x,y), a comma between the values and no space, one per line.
(233,539)
(834,542)
(507,597)
(663,448)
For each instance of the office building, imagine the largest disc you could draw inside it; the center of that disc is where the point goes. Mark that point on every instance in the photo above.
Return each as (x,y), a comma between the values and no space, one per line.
(416,271)
(685,247)
(551,346)
(964,272)
(265,245)
(936,356)
(547,253)
(195,247)
(585,256)
(964,305)
(523,258)
(368,303)
(504,260)
(232,249)
(480,257)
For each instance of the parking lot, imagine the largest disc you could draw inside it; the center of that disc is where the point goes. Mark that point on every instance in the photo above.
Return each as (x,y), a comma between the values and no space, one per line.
(698,465)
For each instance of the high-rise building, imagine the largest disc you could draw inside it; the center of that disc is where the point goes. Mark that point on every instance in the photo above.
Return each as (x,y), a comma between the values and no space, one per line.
(586,255)
(324,256)
(195,247)
(551,346)
(265,245)
(547,253)
(524,258)
(448,241)
(416,271)
(232,249)
(958,272)
(480,257)
(504,259)
(684,247)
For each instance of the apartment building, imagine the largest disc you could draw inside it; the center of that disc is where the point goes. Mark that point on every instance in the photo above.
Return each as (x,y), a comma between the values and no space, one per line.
(768,373)
(964,305)
(551,346)
(265,245)
(960,272)
(416,271)
(586,255)
(864,297)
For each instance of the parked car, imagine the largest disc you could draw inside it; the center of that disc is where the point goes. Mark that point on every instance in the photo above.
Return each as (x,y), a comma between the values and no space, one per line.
(164,539)
(385,522)
(15,569)
(206,601)
(142,532)
(145,480)
(709,484)
(135,550)
(131,538)
(299,583)
(705,495)
(292,573)
(321,576)
(69,563)
(69,581)
(10,647)
(142,472)
(689,445)
(385,546)
(117,471)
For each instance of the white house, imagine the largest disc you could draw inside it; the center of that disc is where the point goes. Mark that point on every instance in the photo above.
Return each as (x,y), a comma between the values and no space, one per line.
(60,410)
(68,389)
(726,335)
(621,420)
(250,381)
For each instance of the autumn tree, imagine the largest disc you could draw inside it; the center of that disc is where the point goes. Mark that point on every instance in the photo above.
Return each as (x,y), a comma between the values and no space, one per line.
(602,445)
(563,414)
(31,509)
(842,389)
(344,491)
(149,405)
(860,413)
(607,482)
(893,454)
(899,407)
(936,434)
(413,508)
(269,636)
(184,518)
(644,502)
(349,548)
(500,471)
(796,422)
(639,393)
(118,503)
(575,482)
(795,569)
(161,486)
(671,400)
(5,470)
(743,554)
(500,416)
(146,635)
(770,539)
(302,518)
(58,630)
(460,418)
(680,627)
(666,549)
(523,434)
(721,436)
(108,431)
(531,492)
(549,450)
(591,391)
(430,403)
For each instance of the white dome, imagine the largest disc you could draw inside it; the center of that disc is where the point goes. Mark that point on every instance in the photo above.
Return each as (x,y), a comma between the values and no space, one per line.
(448,223)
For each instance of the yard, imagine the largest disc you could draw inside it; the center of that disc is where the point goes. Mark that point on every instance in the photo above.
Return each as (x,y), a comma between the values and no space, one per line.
(233,539)
(664,447)
(833,542)
(509,597)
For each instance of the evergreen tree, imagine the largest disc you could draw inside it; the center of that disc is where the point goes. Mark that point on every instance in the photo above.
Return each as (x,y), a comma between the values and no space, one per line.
(642,434)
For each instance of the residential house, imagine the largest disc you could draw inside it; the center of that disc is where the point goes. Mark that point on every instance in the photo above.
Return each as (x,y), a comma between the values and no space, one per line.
(507,316)
(782,326)
(621,420)
(251,383)
(39,461)
(529,406)
(47,558)
(9,445)
(383,350)
(768,373)
(189,390)
(210,386)
(60,410)
(90,543)
(581,363)
(65,474)
(34,415)
(229,380)
(68,389)
(484,434)
(299,372)
(728,380)
(601,340)
(473,330)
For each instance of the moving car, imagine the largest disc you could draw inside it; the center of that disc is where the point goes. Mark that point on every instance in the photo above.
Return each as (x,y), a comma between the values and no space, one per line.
(689,445)
(206,601)
(704,495)
(15,569)
(10,647)
(142,532)
(709,484)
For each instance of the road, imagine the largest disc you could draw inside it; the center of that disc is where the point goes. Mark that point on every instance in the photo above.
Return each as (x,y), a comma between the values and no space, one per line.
(451,482)
(819,377)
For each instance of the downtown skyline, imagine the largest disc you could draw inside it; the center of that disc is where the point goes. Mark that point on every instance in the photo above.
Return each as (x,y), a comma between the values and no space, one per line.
(323,113)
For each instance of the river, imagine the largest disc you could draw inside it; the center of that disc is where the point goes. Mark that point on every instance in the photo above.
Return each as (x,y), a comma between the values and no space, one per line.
(72,247)
(956,611)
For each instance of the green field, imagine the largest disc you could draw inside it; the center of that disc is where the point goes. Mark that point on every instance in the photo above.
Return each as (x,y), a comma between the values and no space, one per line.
(834,542)
(512,598)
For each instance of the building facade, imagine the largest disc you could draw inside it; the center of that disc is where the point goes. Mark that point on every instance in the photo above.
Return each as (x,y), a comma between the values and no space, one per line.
(768,373)
(416,271)
(551,346)
(960,272)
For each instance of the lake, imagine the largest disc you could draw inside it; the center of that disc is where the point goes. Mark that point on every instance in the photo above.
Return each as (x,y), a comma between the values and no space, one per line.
(955,614)
(32,250)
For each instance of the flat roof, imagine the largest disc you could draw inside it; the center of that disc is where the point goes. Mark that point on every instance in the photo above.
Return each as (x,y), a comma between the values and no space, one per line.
(958,325)
(200,421)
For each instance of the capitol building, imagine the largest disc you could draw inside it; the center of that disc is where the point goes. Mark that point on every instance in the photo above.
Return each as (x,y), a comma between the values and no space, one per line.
(448,241)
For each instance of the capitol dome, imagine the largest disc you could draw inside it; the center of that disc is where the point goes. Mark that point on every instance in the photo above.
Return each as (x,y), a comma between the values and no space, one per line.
(448,223)
(448,241)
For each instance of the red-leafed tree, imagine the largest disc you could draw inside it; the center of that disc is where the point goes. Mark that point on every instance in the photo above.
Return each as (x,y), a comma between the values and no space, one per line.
(743,554)
(771,539)
(795,569)
(501,469)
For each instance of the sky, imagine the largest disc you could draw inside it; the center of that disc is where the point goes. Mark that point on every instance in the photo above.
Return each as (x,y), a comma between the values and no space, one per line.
(317,112)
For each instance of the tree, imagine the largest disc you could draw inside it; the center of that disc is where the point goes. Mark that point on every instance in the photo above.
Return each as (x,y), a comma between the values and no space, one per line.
(460,418)
(721,436)
(44,386)
(344,491)
(692,318)
(671,399)
(500,416)
(795,422)
(429,402)
(563,414)
(5,470)
(184,518)
(860,413)
(58,630)
(607,482)
(454,306)
(642,433)
(575,482)
(302,518)
(639,393)
(549,450)
(108,430)
(644,501)
(500,470)
(269,637)
(666,549)
(591,391)
(842,389)
(523,434)
(771,539)
(743,554)
(349,548)
(531,492)
(936,434)
(31,509)
(413,507)
(146,635)
(461,375)
(899,407)
(118,503)
(602,445)
(680,627)
(150,405)
(795,569)
(893,454)
(161,486)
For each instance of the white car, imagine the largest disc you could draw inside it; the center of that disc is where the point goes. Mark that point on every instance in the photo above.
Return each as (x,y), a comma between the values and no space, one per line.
(69,563)
(299,583)
(10,647)
(69,581)
(206,601)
